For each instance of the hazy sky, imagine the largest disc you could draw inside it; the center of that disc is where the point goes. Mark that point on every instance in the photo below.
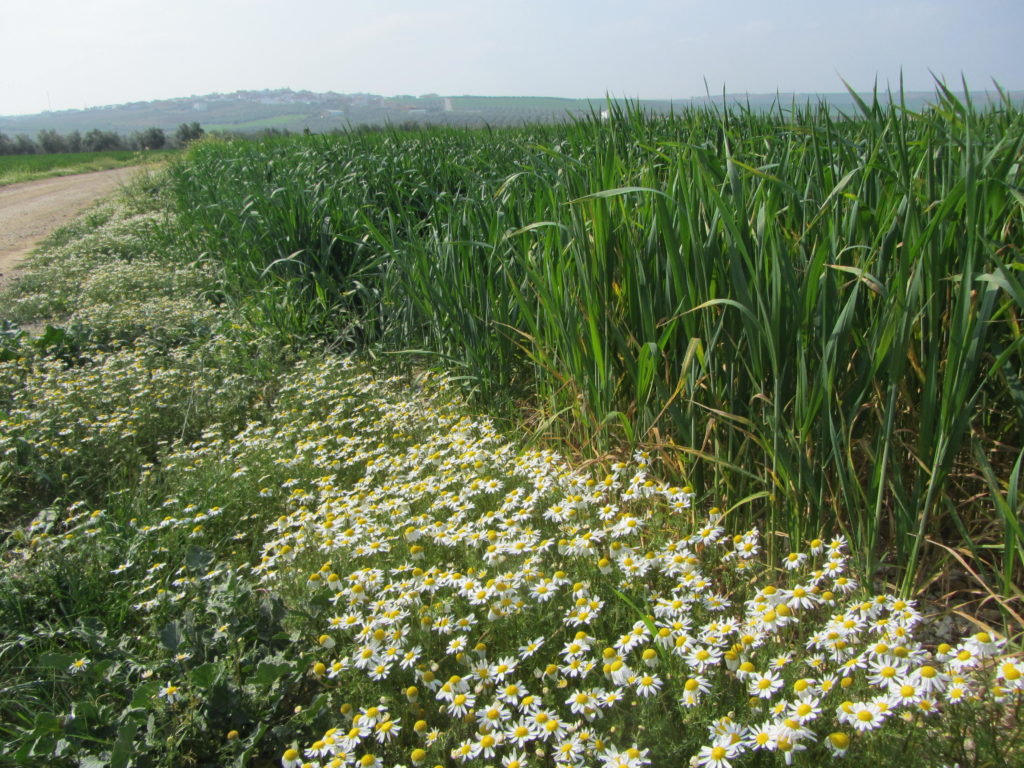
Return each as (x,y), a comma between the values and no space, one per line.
(64,54)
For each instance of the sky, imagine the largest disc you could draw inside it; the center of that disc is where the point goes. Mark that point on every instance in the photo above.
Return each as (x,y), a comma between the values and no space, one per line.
(73,54)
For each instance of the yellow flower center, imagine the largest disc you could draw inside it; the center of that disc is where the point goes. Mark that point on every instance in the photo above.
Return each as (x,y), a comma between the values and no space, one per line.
(839,740)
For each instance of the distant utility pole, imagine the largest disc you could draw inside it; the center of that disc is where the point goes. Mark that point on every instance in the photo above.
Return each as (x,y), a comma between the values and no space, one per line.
(49,105)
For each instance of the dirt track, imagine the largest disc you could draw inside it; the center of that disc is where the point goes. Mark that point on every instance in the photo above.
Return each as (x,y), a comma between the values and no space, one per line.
(32,210)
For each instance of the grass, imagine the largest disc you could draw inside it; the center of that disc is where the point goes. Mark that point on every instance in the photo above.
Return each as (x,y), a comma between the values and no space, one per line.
(813,316)
(19,168)
(277,121)
(229,543)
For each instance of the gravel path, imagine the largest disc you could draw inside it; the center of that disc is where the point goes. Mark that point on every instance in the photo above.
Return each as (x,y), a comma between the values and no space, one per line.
(32,210)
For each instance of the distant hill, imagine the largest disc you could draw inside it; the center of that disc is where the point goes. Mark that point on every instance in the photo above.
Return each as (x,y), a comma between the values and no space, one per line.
(284,109)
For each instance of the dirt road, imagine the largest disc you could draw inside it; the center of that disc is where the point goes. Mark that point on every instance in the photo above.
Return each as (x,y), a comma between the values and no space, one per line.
(32,210)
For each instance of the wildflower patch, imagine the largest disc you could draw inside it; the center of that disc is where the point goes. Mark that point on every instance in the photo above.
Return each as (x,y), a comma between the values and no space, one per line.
(454,598)
(244,552)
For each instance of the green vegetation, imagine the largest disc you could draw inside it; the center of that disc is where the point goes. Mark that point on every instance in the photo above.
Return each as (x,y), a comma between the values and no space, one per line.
(817,318)
(278,121)
(324,112)
(50,142)
(235,535)
(17,168)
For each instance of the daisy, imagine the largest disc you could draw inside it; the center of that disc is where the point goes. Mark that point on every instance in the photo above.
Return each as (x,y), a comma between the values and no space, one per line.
(982,644)
(929,679)
(526,651)
(1011,673)
(883,674)
(522,732)
(610,698)
(514,759)
(806,710)
(355,734)
(171,692)
(838,742)
(386,730)
(484,747)
(511,693)
(956,692)
(693,689)
(794,560)
(701,658)
(865,716)
(494,715)
(460,704)
(586,703)
(410,657)
(904,692)
(569,752)
(761,736)
(464,752)
(716,755)
(764,684)
(550,726)
(965,657)
(648,685)
(927,706)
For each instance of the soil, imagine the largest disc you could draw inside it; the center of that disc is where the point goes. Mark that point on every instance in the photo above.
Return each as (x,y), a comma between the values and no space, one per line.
(33,209)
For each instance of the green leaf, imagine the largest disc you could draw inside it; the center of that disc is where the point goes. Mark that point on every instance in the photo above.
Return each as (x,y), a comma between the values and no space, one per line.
(251,744)
(198,559)
(21,757)
(269,672)
(46,722)
(170,636)
(204,675)
(144,694)
(619,191)
(55,660)
(104,668)
(85,710)
(51,337)
(124,746)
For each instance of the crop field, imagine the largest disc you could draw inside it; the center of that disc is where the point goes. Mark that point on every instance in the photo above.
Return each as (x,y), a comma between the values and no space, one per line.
(16,168)
(816,317)
(638,441)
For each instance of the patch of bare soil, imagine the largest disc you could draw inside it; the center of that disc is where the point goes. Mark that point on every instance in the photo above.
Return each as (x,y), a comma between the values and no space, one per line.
(32,210)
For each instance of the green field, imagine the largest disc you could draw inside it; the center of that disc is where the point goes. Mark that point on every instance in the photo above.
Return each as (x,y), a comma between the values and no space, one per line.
(16,168)
(292,122)
(816,317)
(639,441)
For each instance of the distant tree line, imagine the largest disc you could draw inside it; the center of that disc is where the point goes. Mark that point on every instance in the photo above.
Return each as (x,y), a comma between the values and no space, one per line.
(49,142)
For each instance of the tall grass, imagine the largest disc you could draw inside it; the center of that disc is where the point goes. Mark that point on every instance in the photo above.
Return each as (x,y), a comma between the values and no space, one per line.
(19,168)
(814,317)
